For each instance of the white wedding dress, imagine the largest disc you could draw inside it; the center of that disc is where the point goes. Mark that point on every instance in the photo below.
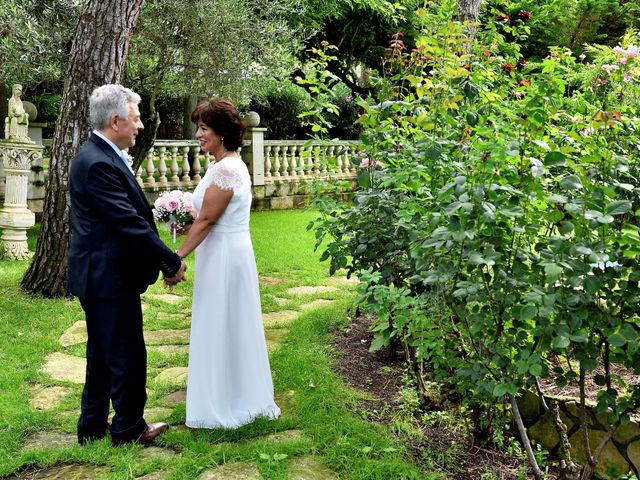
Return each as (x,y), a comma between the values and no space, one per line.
(229,382)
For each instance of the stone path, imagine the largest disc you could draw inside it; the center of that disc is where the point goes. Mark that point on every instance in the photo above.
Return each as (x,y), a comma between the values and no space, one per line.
(64,369)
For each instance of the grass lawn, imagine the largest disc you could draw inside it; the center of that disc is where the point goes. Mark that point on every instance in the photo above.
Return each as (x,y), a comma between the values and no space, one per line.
(315,403)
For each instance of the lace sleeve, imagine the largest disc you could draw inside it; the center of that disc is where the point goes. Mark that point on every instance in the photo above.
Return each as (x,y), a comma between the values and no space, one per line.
(227,176)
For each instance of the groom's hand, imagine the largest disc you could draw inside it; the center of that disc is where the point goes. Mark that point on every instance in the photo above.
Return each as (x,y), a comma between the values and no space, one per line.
(178,277)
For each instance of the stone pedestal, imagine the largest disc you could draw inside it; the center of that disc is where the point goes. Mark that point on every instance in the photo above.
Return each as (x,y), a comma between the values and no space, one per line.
(253,153)
(15,217)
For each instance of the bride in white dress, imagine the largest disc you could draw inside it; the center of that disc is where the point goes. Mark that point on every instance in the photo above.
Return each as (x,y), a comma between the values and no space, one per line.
(229,382)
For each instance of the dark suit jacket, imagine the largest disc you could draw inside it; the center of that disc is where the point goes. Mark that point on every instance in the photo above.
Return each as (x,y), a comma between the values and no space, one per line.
(115,249)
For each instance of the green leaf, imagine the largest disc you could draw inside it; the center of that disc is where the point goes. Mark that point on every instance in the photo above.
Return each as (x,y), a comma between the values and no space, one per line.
(580,337)
(553,159)
(566,227)
(560,342)
(589,364)
(378,342)
(552,270)
(617,340)
(526,312)
(500,390)
(536,370)
(592,284)
(511,212)
(571,182)
(618,207)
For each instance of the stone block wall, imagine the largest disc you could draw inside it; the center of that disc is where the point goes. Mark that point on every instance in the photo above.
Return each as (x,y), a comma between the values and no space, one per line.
(284,194)
(620,455)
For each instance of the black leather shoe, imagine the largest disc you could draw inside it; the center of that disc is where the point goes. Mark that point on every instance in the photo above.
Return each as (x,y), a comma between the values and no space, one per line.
(148,436)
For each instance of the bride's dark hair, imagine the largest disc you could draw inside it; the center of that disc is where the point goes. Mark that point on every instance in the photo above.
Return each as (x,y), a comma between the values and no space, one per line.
(223,118)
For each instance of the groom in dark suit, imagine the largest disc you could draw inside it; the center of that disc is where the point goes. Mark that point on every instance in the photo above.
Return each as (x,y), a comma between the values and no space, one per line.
(115,254)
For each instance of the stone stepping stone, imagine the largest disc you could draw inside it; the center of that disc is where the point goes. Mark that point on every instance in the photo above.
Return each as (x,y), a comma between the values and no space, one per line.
(46,398)
(275,338)
(321,302)
(287,403)
(76,333)
(50,440)
(65,368)
(232,471)
(309,290)
(278,319)
(265,280)
(281,301)
(309,468)
(172,316)
(157,475)
(64,472)
(176,376)
(152,453)
(287,436)
(169,349)
(175,398)
(167,336)
(167,298)
(340,281)
(157,414)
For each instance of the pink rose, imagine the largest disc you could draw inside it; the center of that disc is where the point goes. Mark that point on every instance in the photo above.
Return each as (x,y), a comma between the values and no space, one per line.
(364,163)
(172,205)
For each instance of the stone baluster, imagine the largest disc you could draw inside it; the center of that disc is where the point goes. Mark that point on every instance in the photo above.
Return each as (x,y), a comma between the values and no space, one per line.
(150,169)
(267,161)
(294,161)
(162,165)
(316,159)
(139,176)
(186,180)
(308,161)
(325,159)
(346,163)
(340,161)
(196,165)
(285,160)
(175,180)
(276,162)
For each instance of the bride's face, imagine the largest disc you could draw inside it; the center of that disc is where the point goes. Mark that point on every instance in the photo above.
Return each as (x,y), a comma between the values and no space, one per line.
(209,140)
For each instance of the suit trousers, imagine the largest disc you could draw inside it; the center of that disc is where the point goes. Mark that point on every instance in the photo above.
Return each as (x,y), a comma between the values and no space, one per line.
(116,369)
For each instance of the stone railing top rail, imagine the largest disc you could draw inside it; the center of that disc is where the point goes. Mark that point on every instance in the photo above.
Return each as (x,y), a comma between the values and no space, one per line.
(315,143)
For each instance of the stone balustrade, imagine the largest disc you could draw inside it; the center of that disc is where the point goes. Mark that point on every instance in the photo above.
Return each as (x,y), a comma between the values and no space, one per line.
(180,164)
(282,171)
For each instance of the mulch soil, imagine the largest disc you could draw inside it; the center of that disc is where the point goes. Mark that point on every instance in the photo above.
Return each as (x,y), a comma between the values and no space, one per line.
(381,378)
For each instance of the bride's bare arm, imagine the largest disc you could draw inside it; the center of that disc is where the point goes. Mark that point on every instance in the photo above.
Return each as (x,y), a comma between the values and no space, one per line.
(213,206)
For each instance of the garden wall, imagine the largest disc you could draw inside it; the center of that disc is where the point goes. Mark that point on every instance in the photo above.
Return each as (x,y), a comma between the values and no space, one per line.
(622,452)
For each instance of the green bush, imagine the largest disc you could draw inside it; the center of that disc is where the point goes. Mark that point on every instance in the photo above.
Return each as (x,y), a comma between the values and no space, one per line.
(279,108)
(502,233)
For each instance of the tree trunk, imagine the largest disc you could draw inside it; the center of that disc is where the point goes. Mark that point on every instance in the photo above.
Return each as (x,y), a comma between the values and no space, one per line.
(100,45)
(146,138)
(4,105)
(188,128)
(467,10)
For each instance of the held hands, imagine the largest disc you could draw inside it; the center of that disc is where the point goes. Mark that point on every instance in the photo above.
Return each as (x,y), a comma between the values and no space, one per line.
(169,282)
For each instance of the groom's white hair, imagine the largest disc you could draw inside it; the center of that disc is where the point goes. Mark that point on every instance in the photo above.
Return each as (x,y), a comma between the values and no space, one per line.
(109,100)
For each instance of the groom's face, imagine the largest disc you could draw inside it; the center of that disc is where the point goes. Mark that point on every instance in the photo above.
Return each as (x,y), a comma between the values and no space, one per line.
(128,128)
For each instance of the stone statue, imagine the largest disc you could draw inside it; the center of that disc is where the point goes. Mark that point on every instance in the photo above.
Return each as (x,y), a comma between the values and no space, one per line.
(16,125)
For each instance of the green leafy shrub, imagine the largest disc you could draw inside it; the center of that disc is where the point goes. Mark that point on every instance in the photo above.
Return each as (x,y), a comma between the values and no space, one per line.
(279,109)
(500,244)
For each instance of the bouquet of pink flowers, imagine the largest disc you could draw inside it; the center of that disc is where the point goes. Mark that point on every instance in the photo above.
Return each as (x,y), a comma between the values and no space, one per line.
(175,208)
